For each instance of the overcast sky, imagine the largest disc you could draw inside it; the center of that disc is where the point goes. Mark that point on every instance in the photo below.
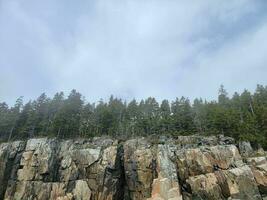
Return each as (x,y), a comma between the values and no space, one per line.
(131,48)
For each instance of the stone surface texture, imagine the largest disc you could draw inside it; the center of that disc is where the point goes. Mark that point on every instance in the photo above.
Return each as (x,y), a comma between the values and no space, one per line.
(152,168)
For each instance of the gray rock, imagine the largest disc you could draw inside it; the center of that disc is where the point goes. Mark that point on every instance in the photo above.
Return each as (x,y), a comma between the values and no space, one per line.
(245,148)
(153,168)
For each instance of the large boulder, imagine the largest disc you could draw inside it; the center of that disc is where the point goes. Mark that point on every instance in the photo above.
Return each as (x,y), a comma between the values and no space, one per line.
(216,172)
(255,161)
(236,183)
(258,166)
(260,174)
(245,148)
(203,160)
(81,190)
(165,189)
(241,183)
(205,187)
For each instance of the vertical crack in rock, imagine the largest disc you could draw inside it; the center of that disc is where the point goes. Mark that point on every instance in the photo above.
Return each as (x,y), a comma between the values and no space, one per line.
(113,186)
(112,179)
(6,167)
(185,188)
(138,154)
(51,174)
(10,155)
(119,165)
(56,163)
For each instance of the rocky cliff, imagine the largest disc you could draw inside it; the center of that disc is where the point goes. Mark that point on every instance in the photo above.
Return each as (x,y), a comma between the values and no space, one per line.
(186,167)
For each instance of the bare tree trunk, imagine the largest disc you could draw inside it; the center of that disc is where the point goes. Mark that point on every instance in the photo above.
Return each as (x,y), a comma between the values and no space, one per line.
(10,133)
(251,108)
(58,132)
(46,129)
(241,116)
(31,133)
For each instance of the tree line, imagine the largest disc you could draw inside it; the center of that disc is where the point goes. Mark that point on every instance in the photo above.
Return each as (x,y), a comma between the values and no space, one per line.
(242,116)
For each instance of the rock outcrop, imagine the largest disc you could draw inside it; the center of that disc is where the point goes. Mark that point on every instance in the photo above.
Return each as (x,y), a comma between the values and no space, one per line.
(186,167)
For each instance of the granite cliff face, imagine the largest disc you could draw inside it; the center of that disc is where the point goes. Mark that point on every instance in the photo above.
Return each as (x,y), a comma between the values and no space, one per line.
(186,167)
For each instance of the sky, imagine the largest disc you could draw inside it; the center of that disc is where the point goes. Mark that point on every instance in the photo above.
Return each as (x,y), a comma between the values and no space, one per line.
(131,48)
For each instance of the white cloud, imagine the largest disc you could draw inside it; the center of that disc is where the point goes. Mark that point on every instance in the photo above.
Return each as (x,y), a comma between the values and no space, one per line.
(131,48)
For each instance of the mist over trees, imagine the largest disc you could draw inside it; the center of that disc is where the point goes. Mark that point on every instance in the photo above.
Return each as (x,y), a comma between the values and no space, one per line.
(242,116)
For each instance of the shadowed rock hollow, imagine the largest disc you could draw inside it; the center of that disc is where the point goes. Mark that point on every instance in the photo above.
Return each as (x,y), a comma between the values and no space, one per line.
(186,167)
